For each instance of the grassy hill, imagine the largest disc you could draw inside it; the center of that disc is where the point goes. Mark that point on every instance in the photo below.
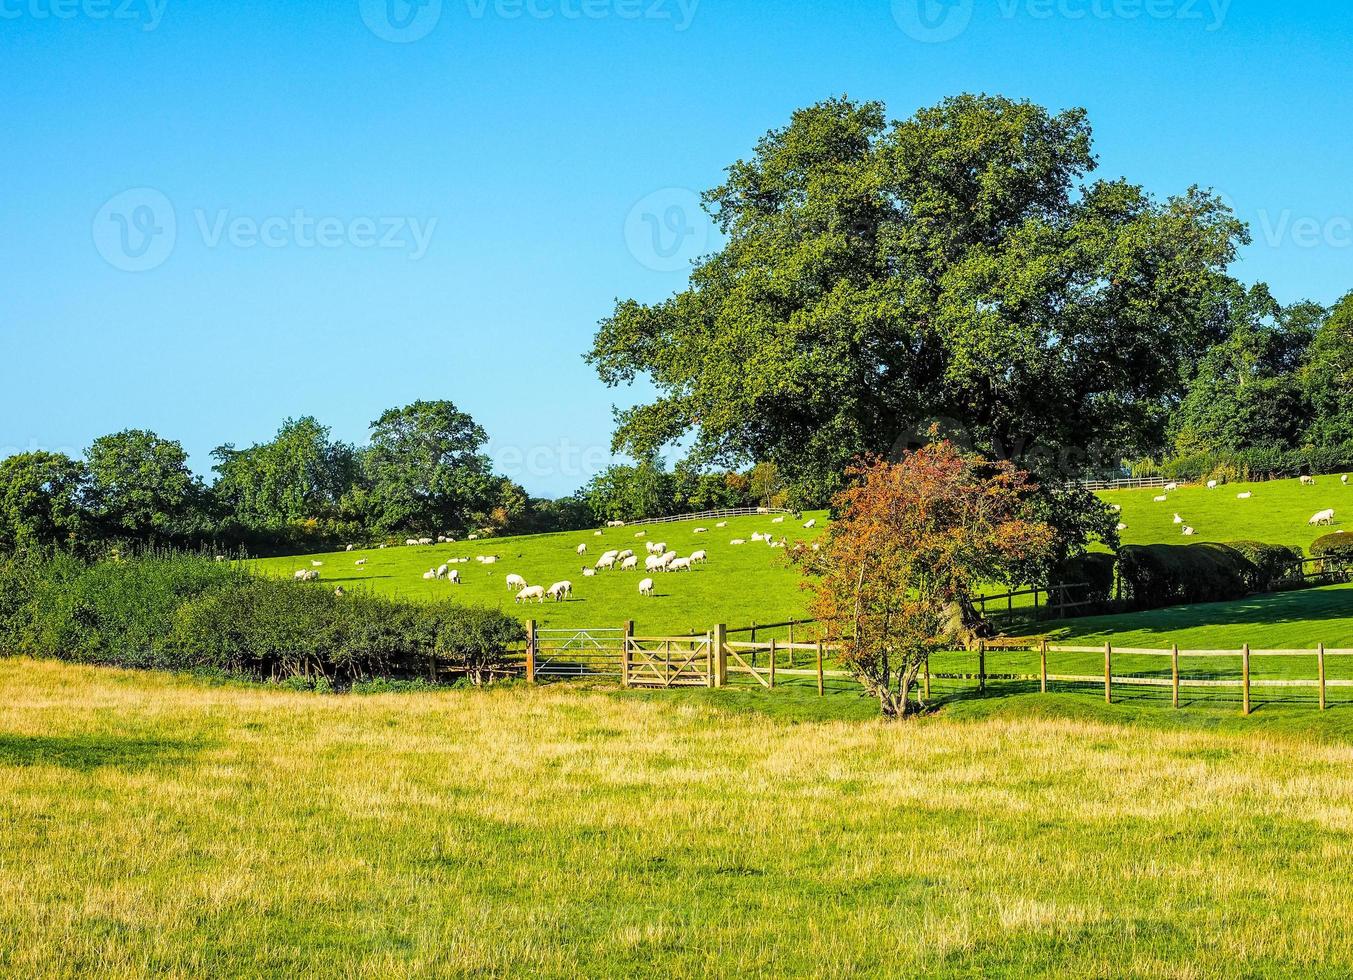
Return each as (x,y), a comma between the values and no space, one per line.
(738,585)
(156,825)
(1277,514)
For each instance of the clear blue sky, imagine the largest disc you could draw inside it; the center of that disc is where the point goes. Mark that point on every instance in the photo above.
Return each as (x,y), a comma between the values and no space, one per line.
(543,144)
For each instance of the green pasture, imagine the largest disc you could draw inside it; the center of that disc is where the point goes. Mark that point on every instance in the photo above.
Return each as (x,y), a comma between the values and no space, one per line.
(738,585)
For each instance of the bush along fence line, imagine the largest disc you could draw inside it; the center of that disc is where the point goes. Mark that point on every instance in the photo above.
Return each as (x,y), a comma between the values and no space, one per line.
(1245,670)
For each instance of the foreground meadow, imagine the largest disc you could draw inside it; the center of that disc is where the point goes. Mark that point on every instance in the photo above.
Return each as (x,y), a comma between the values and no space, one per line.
(154,824)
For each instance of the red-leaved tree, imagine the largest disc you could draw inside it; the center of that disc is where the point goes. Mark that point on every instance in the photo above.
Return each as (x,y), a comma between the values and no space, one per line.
(895,576)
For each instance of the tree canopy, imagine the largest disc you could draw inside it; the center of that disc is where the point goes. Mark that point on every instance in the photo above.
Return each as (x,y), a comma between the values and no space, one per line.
(956,265)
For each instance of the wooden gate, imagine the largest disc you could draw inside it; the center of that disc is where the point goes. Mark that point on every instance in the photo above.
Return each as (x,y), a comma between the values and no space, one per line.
(570,653)
(668,661)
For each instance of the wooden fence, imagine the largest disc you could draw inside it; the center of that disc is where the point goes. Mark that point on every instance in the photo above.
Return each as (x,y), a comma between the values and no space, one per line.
(712,515)
(1245,683)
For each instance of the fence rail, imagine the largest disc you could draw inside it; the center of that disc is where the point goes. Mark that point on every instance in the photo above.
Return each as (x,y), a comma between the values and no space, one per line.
(712,515)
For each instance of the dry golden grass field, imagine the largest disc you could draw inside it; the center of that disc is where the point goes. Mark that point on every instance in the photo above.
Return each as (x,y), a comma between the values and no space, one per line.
(160,825)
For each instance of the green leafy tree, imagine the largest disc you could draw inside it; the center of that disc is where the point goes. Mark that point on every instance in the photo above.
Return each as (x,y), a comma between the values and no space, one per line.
(299,475)
(955,265)
(627,493)
(425,470)
(40,500)
(1328,378)
(140,486)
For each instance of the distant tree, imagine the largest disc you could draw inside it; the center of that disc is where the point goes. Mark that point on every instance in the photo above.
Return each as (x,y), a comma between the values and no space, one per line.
(900,564)
(765,483)
(697,491)
(1247,391)
(1327,378)
(140,486)
(627,493)
(425,470)
(40,500)
(300,475)
(957,265)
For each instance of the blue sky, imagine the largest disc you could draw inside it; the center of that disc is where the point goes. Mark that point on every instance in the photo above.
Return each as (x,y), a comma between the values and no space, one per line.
(219,215)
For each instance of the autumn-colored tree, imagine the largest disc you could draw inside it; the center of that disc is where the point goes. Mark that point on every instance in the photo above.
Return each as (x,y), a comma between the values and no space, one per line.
(896,573)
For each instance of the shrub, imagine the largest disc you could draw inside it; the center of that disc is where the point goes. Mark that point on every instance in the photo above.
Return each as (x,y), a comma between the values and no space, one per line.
(1337,550)
(1274,563)
(1162,575)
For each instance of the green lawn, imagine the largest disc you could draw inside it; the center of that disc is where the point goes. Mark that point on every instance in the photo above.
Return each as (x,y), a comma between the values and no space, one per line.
(738,586)
(1277,514)
(156,825)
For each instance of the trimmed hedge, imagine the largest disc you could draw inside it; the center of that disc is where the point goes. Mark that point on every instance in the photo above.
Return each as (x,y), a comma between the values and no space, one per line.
(1337,550)
(1169,574)
(1275,564)
(1094,572)
(180,612)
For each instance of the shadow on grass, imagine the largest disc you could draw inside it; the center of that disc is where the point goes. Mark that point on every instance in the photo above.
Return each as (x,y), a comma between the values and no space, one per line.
(85,753)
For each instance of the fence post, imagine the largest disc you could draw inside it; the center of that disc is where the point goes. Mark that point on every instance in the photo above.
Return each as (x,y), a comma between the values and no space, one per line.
(1245,675)
(927,677)
(1320,661)
(530,651)
(1108,672)
(791,639)
(1174,674)
(772,662)
(718,657)
(1043,666)
(981,666)
(820,690)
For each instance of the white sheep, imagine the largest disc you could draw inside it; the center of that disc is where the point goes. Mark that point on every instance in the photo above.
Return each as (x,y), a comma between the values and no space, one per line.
(810,524)
(560,591)
(641,534)
(698,557)
(653,563)
(758,536)
(1116,508)
(1169,487)
(1178,519)
(317,564)
(1344,479)
(425,541)
(1244,496)
(721,524)
(348,548)
(630,564)
(679,565)
(589,572)
(701,530)
(778,520)
(1212,484)
(646,587)
(306,575)
(605,561)
(660,547)
(1308,481)
(536,592)
(627,553)
(1189,532)
(410,541)
(668,556)
(1324,517)
(737,541)
(430,575)
(442,569)
(516,582)
(453,576)
(1122,527)
(596,534)
(582,549)
(763,510)
(1161,499)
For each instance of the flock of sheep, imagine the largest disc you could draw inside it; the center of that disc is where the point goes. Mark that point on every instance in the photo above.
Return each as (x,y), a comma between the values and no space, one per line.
(1324,517)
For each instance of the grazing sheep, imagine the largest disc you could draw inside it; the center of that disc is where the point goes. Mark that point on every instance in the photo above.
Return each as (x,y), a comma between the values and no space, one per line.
(560,591)
(679,565)
(722,524)
(453,576)
(629,564)
(1308,481)
(490,559)
(582,549)
(360,563)
(306,575)
(1189,532)
(763,510)
(317,564)
(605,562)
(410,541)
(641,534)
(536,592)
(646,587)
(348,548)
(1324,517)
(1122,527)
(667,556)
(1244,496)
(380,547)
(1178,519)
(627,553)
(596,534)
(442,569)
(698,557)
(425,541)
(340,592)
(1344,479)
(758,536)
(516,582)
(1161,499)
(810,524)
(737,541)
(778,520)
(473,537)
(701,530)
(653,563)
(589,573)
(1212,484)
(430,575)
(1170,487)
